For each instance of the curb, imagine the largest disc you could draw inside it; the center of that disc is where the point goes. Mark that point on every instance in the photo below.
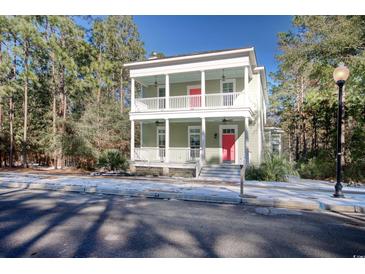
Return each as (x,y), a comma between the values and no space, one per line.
(343,208)
(209,199)
(265,202)
(292,204)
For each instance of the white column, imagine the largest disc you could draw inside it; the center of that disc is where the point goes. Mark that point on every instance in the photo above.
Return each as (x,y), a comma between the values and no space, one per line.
(203,142)
(132,94)
(132,140)
(202,85)
(167,91)
(245,78)
(167,140)
(246,144)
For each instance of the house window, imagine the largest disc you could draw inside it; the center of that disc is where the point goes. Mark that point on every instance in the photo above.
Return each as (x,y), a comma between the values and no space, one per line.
(194,142)
(161,137)
(161,93)
(161,142)
(228,86)
(228,131)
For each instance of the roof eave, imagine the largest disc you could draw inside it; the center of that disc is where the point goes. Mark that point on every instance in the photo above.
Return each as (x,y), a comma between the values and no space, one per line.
(190,57)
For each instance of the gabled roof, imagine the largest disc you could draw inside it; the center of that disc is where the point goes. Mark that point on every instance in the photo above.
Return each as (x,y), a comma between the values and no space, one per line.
(195,55)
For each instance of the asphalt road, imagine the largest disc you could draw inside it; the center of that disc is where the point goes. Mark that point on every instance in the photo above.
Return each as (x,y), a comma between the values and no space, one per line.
(56,224)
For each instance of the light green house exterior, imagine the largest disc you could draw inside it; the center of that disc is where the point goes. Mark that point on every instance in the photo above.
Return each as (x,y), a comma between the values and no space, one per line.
(179,135)
(200,109)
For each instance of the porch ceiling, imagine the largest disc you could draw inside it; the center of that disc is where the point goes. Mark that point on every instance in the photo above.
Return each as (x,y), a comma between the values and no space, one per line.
(192,76)
(196,120)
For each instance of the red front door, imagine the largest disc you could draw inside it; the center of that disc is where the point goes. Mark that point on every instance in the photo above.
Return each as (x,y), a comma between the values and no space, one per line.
(228,147)
(195,100)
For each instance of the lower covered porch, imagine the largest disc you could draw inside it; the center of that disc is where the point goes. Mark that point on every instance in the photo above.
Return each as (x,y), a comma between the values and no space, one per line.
(189,142)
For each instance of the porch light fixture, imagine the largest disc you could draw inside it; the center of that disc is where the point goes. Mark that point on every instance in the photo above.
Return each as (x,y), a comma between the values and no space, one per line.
(223,77)
(156,83)
(340,75)
(226,120)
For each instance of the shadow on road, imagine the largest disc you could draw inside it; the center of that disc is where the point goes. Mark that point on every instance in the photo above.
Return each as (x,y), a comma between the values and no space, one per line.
(53,224)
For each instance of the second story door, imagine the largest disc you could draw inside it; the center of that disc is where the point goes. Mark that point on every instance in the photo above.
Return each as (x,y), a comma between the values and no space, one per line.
(195,97)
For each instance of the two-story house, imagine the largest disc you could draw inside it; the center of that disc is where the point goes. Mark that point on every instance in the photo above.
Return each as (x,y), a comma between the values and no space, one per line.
(200,110)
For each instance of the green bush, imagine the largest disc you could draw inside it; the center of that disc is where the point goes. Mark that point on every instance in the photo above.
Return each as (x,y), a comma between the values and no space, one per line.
(254,173)
(355,172)
(320,167)
(112,160)
(274,168)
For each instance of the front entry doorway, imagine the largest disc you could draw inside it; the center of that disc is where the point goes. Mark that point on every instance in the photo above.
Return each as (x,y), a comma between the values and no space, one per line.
(228,136)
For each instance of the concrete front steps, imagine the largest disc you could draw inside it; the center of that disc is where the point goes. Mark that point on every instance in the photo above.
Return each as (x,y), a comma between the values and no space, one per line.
(223,172)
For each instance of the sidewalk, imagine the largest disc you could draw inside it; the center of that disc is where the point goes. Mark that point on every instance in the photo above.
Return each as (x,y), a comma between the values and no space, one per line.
(297,194)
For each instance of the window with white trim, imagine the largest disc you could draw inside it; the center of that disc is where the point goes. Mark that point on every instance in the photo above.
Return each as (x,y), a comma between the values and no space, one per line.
(161,137)
(228,131)
(194,141)
(161,93)
(228,86)
(194,137)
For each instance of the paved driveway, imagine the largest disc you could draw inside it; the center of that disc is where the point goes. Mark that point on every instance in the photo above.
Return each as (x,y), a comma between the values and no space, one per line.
(57,224)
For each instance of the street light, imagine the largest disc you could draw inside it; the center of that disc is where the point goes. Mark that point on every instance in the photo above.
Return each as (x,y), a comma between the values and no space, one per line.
(340,75)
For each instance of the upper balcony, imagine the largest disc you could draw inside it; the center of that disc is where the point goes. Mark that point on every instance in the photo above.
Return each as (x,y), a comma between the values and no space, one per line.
(215,84)
(194,93)
(194,102)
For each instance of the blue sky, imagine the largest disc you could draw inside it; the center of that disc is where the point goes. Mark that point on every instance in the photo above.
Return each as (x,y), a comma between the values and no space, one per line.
(175,34)
(185,34)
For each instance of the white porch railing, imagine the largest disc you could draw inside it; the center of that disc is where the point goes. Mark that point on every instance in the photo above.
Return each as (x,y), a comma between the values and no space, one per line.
(149,154)
(186,102)
(212,100)
(177,155)
(148,104)
(228,99)
(182,155)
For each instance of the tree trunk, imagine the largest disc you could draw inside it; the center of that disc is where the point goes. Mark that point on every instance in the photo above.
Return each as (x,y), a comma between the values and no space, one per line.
(99,78)
(289,146)
(1,99)
(315,135)
(11,118)
(1,114)
(304,132)
(25,129)
(1,102)
(302,119)
(63,108)
(121,92)
(50,31)
(296,135)
(11,107)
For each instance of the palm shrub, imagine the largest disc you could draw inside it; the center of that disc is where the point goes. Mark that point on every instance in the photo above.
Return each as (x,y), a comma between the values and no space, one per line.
(112,160)
(274,168)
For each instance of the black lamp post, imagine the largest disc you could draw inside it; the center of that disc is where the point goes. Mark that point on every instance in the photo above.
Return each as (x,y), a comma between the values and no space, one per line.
(340,76)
